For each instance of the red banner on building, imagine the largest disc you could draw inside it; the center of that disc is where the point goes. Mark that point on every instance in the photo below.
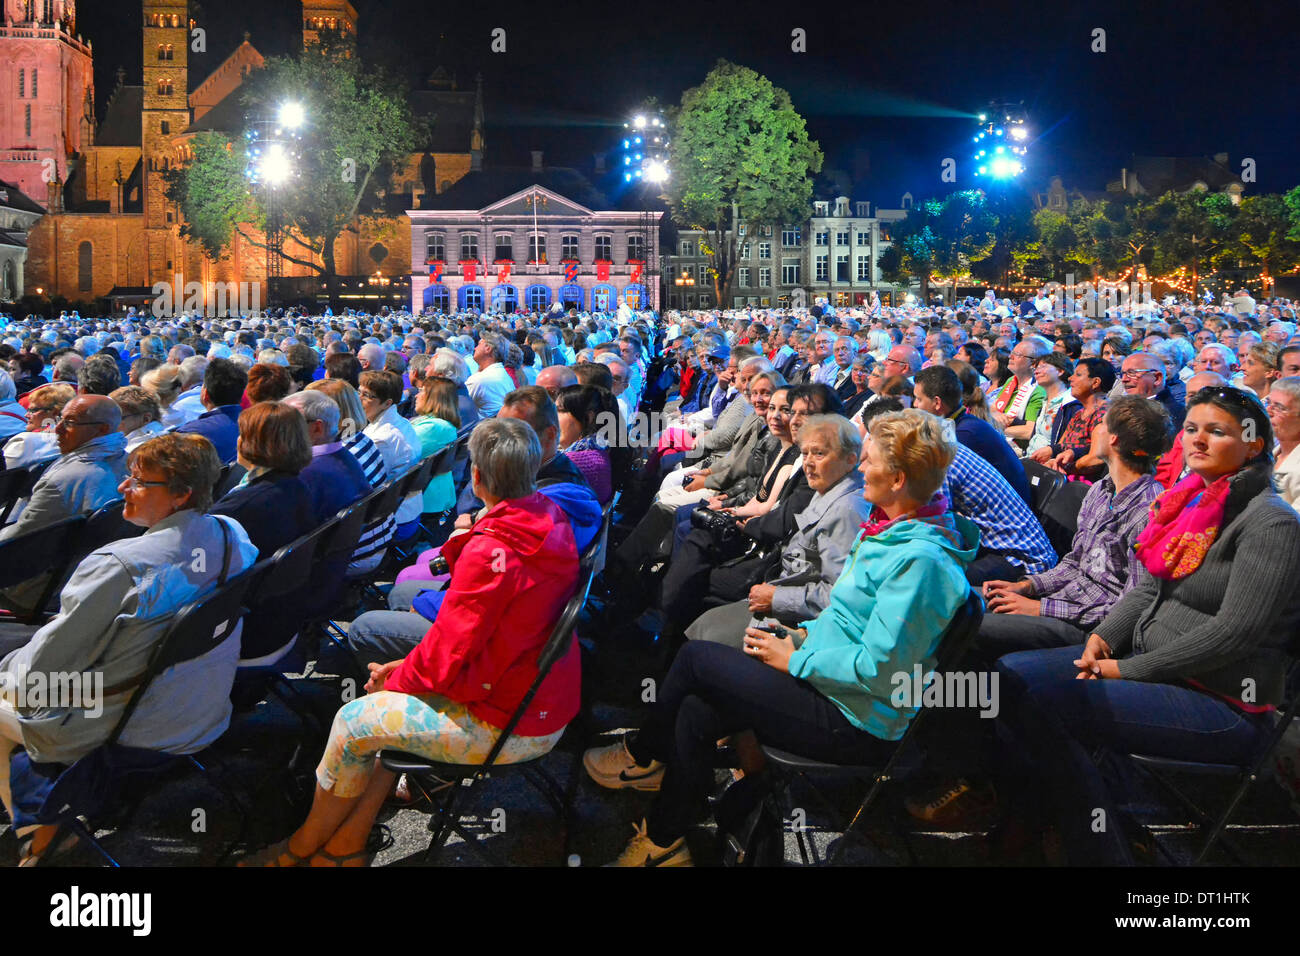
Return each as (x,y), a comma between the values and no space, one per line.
(469,269)
(636,271)
(602,271)
(503,272)
(570,270)
(435,270)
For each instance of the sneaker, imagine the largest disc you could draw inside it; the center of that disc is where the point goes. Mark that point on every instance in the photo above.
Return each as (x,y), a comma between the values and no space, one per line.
(613,768)
(642,851)
(956,805)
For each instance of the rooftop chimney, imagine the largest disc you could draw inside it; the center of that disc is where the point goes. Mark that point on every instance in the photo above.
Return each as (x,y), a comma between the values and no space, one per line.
(537,160)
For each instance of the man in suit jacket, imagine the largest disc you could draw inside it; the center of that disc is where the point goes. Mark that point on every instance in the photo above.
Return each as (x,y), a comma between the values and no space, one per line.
(224,382)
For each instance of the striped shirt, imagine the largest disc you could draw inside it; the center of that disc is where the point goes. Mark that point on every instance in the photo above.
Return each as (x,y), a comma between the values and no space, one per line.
(374,537)
(1007,526)
(1102,566)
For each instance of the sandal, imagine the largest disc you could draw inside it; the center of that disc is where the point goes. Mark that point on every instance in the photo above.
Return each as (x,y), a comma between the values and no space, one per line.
(380,839)
(270,856)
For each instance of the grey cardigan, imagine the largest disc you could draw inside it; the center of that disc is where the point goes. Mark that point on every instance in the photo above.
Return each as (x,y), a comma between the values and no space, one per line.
(1226,625)
(724,430)
(813,558)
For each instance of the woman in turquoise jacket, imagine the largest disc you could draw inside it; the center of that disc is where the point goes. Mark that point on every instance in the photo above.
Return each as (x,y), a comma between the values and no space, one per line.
(830,690)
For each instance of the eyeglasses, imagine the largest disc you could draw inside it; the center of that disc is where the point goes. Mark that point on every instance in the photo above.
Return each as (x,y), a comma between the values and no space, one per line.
(137,483)
(73,423)
(1138,372)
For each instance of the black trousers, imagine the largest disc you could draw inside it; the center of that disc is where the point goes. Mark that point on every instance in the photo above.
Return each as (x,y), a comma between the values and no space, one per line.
(695,582)
(713,691)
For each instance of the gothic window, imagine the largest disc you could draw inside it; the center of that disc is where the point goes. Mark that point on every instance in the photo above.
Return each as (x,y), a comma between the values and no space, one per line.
(84,270)
(28,118)
(165,87)
(47,12)
(22,83)
(33,82)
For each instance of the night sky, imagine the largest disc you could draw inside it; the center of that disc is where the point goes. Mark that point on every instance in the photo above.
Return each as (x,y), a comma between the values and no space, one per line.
(888,90)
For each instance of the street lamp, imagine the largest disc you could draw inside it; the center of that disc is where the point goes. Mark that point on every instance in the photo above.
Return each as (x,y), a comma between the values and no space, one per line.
(292,115)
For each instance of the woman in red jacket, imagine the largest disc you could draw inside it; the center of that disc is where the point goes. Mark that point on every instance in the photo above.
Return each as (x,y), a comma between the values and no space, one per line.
(449,699)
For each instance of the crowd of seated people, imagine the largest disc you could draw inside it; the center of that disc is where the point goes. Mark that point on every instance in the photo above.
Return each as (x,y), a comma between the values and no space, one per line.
(822,493)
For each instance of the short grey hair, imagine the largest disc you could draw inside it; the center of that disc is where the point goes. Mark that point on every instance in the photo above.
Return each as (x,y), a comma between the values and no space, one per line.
(272,357)
(448,364)
(758,364)
(1042,348)
(845,434)
(1288,386)
(192,370)
(507,454)
(8,391)
(420,361)
(317,407)
(374,354)
(500,347)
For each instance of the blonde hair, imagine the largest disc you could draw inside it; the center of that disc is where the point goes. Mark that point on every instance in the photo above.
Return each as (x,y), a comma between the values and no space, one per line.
(917,444)
(165,382)
(346,398)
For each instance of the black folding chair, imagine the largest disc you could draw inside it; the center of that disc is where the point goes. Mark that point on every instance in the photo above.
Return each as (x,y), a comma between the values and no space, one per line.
(1159,769)
(785,767)
(50,548)
(1060,519)
(428,777)
(16,485)
(197,629)
(1043,485)
(442,463)
(413,482)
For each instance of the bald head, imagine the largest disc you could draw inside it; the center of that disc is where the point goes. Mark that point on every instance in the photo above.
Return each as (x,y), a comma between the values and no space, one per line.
(1204,380)
(555,377)
(86,418)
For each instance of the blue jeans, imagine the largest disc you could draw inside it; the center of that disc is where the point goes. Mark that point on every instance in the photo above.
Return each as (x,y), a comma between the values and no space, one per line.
(1050,724)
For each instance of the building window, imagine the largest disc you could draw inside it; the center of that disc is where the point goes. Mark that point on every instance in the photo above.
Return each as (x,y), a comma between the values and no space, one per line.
(636,247)
(569,247)
(823,238)
(823,269)
(27,118)
(884,234)
(820,207)
(765,276)
(22,83)
(47,16)
(789,271)
(505,247)
(537,249)
(164,127)
(165,87)
(740,230)
(765,231)
(604,248)
(864,269)
(842,268)
(435,247)
(688,247)
(841,238)
(469,247)
(85,275)
(169,215)
(743,281)
(33,82)
(744,250)
(861,207)
(790,237)
(765,250)
(688,272)
(864,238)
(705,299)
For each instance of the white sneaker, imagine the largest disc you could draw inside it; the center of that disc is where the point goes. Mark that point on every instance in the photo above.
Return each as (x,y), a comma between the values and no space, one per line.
(613,768)
(642,851)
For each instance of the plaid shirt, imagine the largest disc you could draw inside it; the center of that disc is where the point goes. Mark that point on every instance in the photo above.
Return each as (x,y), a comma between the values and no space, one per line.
(1102,566)
(978,492)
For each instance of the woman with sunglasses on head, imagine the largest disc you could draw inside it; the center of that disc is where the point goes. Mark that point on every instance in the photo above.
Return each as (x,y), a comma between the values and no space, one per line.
(1191,662)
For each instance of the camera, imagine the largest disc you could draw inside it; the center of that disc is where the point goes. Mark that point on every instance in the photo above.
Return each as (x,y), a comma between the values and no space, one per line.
(723,527)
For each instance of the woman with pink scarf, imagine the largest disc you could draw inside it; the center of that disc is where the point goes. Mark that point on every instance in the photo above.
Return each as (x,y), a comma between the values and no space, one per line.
(1189,664)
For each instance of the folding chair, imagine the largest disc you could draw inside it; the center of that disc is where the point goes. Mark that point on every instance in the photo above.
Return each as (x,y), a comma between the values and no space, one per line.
(785,767)
(1060,517)
(413,482)
(197,629)
(1043,485)
(16,485)
(428,777)
(1158,770)
(50,548)
(442,464)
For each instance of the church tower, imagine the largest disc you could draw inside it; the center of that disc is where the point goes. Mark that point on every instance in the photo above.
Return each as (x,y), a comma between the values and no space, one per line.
(165,114)
(328,16)
(47,111)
